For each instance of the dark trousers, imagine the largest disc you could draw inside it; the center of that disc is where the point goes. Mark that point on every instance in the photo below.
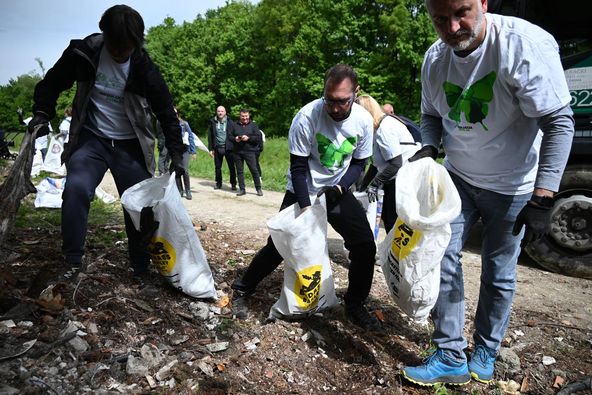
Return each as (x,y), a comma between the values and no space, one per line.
(389,209)
(257,155)
(239,159)
(219,154)
(349,220)
(184,180)
(86,168)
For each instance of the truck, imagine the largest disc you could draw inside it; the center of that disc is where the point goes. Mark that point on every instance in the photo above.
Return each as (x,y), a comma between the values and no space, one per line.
(567,247)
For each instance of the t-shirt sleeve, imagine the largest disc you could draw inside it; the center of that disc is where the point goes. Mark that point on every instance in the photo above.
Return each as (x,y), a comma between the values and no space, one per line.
(387,138)
(299,136)
(364,147)
(538,76)
(426,84)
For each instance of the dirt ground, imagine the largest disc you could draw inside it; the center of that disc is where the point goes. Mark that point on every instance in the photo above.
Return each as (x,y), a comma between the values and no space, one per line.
(111,332)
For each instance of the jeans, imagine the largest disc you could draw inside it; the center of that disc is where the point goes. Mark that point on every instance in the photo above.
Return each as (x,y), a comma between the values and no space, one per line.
(219,154)
(86,168)
(348,219)
(499,255)
(183,182)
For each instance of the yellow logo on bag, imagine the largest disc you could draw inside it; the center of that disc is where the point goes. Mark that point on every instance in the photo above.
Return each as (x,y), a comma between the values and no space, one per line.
(307,287)
(163,254)
(404,240)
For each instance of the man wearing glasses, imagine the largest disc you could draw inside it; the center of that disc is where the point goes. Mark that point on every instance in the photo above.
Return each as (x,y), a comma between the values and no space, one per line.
(329,141)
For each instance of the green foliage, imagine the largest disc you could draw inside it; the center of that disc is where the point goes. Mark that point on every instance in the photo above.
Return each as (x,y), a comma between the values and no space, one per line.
(275,161)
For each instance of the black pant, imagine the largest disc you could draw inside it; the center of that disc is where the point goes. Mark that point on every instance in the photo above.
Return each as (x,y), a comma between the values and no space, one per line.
(389,209)
(239,159)
(219,154)
(349,220)
(86,168)
(184,180)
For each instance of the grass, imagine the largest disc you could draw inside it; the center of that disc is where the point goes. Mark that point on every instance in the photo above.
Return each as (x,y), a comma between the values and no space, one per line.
(275,161)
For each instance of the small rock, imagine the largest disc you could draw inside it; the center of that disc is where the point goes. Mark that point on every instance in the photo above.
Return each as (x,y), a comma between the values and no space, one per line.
(548,360)
(509,387)
(151,355)
(8,390)
(509,358)
(203,226)
(178,340)
(25,324)
(216,347)
(165,371)
(207,368)
(306,336)
(92,328)
(8,323)
(79,344)
(248,252)
(151,381)
(53,371)
(200,310)
(136,366)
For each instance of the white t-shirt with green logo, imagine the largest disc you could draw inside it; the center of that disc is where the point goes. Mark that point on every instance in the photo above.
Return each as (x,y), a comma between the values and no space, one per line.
(330,145)
(490,101)
(391,139)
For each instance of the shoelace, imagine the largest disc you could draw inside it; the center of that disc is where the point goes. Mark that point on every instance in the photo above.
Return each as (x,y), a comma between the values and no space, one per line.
(482,355)
(433,357)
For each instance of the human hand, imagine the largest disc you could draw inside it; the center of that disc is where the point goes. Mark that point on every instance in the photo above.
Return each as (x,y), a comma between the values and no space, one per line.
(39,125)
(19,111)
(211,154)
(332,194)
(372,192)
(536,219)
(237,139)
(244,137)
(177,163)
(427,151)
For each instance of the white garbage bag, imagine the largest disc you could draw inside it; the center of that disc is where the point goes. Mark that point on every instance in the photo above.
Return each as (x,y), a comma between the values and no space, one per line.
(105,196)
(37,163)
(175,248)
(373,210)
(301,239)
(49,192)
(53,158)
(427,201)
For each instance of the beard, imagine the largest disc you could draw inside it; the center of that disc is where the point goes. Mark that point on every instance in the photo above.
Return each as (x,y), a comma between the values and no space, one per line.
(456,41)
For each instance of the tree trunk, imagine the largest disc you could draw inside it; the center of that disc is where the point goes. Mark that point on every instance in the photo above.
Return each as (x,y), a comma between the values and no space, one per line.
(16,186)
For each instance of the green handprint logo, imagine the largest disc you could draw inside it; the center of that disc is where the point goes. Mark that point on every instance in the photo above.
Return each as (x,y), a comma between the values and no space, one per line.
(473,102)
(332,156)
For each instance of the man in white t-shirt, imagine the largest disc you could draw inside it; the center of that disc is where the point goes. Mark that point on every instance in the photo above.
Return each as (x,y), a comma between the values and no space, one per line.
(111,125)
(329,142)
(494,94)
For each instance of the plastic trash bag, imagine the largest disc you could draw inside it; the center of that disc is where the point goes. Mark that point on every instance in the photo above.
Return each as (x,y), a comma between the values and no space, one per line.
(373,210)
(49,192)
(301,239)
(410,255)
(53,158)
(175,249)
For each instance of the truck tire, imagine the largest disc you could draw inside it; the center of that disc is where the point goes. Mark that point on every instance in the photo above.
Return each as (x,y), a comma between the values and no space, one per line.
(567,248)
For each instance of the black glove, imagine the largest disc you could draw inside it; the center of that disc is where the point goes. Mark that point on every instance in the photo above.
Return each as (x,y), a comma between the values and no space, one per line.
(147,225)
(177,163)
(536,218)
(332,194)
(372,192)
(427,151)
(39,124)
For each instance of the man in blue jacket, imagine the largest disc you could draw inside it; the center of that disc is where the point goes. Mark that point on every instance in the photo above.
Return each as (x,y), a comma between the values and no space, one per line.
(118,87)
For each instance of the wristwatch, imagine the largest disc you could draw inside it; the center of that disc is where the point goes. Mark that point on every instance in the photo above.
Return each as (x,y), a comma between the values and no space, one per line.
(543,201)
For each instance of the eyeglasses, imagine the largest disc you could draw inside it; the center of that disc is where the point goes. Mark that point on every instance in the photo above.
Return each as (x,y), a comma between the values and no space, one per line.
(341,103)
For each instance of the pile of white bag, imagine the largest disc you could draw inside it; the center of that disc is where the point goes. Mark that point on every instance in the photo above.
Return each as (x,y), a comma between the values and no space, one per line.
(427,201)
(174,248)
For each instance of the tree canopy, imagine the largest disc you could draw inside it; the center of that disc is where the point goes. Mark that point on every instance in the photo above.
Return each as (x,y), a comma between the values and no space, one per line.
(271,58)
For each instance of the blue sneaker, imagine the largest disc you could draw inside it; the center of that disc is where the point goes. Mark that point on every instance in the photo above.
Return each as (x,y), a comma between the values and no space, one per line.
(438,369)
(482,363)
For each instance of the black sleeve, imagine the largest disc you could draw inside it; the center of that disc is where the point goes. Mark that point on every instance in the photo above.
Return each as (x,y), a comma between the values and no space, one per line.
(356,166)
(255,135)
(389,171)
(58,79)
(299,171)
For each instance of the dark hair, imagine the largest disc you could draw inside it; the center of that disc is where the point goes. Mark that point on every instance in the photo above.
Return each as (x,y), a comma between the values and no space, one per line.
(245,110)
(340,72)
(123,26)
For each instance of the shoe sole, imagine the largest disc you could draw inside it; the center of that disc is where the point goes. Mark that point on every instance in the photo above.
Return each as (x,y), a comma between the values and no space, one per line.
(475,376)
(446,380)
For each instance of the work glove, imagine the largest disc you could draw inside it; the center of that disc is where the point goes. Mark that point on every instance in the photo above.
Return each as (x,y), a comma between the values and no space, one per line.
(372,192)
(148,225)
(39,124)
(536,218)
(177,163)
(332,194)
(427,151)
